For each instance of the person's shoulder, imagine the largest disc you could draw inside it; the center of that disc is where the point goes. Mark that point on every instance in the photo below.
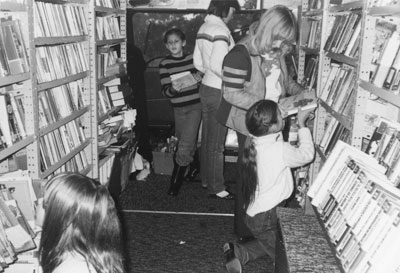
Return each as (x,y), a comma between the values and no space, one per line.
(238,55)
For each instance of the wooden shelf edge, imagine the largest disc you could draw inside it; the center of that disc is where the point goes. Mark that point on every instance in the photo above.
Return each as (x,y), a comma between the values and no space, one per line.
(16,147)
(343,59)
(342,119)
(385,10)
(381,93)
(11,79)
(64,160)
(55,83)
(347,6)
(44,41)
(63,121)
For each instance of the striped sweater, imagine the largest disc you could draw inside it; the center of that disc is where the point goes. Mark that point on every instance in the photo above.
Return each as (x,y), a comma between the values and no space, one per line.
(172,65)
(213,42)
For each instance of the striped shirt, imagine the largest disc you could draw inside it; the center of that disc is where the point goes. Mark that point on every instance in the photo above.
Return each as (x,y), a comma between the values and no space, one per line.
(172,65)
(213,42)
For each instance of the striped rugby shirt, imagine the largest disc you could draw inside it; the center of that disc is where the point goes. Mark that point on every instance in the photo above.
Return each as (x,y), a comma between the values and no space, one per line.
(172,65)
(213,42)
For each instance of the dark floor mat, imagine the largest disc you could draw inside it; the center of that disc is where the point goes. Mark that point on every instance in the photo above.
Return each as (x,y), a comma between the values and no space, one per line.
(152,195)
(176,243)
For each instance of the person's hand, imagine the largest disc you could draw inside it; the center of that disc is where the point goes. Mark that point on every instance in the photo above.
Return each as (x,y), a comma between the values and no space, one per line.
(304,115)
(197,77)
(176,86)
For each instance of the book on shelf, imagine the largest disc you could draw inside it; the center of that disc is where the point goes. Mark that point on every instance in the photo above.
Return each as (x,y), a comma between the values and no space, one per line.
(350,28)
(383,32)
(21,189)
(13,46)
(387,57)
(16,234)
(305,100)
(8,122)
(354,41)
(361,210)
(310,73)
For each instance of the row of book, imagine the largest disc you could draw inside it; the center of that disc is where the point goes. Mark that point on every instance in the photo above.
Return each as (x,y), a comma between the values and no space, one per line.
(56,62)
(106,161)
(107,27)
(314,4)
(384,146)
(59,102)
(333,132)
(107,62)
(344,34)
(61,142)
(109,96)
(54,20)
(339,87)
(17,228)
(108,3)
(13,55)
(12,119)
(385,63)
(311,72)
(360,210)
(314,34)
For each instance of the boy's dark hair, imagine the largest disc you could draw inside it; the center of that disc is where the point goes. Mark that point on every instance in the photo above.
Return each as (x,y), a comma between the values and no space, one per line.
(221,8)
(175,31)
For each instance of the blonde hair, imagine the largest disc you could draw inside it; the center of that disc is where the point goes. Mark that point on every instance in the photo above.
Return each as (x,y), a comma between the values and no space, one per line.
(277,23)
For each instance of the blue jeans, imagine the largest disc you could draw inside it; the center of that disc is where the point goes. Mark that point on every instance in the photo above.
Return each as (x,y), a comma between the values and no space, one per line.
(212,141)
(264,227)
(187,122)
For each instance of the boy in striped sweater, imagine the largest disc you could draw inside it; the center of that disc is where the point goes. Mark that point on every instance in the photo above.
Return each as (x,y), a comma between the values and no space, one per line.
(185,101)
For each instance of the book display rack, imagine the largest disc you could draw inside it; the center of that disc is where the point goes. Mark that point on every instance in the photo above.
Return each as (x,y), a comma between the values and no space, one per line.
(357,51)
(56,58)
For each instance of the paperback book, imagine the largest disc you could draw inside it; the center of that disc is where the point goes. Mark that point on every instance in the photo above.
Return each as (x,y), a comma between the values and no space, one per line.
(305,100)
(183,79)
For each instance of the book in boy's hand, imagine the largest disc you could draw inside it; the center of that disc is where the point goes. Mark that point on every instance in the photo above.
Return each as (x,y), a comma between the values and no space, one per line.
(290,105)
(183,80)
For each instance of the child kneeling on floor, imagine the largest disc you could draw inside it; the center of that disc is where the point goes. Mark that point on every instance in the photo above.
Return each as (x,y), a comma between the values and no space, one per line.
(265,166)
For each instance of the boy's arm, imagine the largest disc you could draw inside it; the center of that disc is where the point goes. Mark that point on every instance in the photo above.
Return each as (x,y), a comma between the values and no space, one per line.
(296,157)
(299,156)
(166,84)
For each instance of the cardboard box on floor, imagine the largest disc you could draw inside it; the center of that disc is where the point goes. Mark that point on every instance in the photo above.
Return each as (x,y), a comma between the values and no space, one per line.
(163,163)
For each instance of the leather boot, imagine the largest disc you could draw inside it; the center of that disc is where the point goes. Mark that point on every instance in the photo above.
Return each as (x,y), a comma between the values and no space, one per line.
(194,167)
(178,175)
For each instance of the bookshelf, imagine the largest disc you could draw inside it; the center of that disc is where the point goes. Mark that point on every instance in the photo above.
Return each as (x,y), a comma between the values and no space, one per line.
(356,128)
(55,58)
(330,33)
(108,58)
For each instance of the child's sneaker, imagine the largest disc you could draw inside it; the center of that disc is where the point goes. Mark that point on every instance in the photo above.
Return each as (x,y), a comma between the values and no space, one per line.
(143,174)
(232,263)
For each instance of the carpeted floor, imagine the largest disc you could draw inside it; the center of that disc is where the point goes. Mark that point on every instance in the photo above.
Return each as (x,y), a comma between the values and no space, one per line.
(180,243)
(185,233)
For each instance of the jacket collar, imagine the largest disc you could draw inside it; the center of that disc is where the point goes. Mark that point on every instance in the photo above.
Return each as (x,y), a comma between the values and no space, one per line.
(211,18)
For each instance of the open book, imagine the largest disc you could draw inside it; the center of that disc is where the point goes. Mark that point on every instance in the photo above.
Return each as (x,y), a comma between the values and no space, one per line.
(305,100)
(185,78)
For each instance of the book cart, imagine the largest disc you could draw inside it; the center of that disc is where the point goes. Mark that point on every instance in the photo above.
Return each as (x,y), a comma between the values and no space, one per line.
(55,58)
(353,182)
